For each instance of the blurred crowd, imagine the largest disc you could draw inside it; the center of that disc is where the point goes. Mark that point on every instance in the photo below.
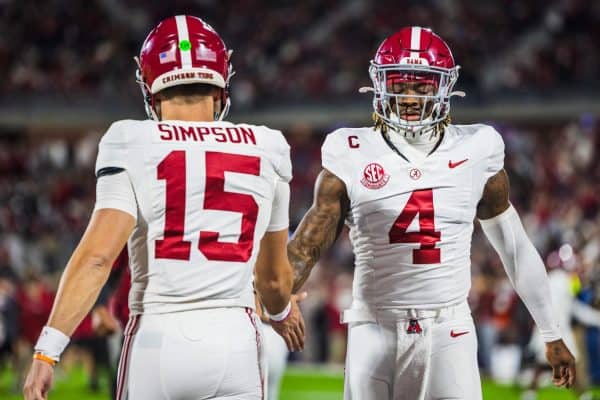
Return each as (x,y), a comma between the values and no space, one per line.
(47,194)
(296,51)
(309,51)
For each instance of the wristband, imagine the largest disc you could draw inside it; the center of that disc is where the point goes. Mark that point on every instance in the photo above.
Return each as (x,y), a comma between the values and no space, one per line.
(51,343)
(41,357)
(282,315)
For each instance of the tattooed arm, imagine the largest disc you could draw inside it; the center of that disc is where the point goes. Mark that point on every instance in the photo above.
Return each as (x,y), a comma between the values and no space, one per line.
(525,268)
(495,197)
(320,227)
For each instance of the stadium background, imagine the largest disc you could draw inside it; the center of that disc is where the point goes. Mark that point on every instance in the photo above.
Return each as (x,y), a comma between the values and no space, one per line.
(529,67)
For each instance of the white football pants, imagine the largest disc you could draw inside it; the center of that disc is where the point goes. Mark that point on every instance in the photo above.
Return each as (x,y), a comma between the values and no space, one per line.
(385,362)
(192,355)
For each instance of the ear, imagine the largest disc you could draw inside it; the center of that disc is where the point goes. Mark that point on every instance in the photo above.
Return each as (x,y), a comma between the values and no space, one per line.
(157,109)
(217,95)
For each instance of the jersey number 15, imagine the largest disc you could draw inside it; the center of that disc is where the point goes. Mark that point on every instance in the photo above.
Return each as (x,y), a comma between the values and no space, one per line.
(173,170)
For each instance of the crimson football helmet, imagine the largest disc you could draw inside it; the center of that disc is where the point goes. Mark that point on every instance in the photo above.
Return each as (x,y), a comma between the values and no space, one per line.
(413,55)
(183,50)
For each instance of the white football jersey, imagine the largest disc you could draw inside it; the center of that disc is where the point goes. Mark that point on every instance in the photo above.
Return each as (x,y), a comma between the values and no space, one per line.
(204,193)
(410,221)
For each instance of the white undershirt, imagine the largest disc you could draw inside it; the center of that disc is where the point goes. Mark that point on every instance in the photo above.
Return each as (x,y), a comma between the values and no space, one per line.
(422,142)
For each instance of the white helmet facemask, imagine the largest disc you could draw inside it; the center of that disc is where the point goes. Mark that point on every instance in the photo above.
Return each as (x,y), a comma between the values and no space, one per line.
(429,90)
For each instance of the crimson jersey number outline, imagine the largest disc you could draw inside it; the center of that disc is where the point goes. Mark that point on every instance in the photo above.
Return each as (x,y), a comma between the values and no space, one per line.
(420,202)
(172,169)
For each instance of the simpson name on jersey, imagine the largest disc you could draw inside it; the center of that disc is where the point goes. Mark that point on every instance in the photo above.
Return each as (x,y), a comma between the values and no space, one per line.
(411,217)
(203,198)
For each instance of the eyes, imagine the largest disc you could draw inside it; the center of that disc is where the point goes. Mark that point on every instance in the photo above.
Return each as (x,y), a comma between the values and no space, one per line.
(418,88)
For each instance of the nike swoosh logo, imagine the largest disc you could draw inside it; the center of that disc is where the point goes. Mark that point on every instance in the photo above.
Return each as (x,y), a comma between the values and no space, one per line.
(457,334)
(456,164)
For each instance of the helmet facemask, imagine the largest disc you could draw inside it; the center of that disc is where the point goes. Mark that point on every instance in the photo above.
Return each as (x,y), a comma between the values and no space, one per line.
(146,93)
(225,97)
(412,99)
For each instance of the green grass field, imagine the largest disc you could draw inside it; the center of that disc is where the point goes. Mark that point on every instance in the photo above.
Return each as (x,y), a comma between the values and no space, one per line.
(298,384)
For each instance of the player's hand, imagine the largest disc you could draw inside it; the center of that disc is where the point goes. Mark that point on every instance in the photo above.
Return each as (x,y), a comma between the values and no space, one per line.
(103,322)
(562,362)
(291,329)
(38,381)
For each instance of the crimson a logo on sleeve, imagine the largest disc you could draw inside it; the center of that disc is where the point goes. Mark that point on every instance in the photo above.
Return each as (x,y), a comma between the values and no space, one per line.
(374,176)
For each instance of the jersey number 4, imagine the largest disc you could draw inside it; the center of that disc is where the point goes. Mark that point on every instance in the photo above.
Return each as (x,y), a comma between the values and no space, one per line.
(420,202)
(173,170)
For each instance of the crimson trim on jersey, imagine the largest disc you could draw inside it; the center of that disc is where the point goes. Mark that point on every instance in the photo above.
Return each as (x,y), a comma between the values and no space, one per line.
(258,352)
(130,330)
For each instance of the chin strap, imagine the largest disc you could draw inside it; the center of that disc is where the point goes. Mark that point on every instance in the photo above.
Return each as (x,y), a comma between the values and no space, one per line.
(220,115)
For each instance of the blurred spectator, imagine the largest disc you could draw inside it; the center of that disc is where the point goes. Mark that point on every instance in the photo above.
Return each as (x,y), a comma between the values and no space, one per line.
(9,311)
(310,50)
(34,302)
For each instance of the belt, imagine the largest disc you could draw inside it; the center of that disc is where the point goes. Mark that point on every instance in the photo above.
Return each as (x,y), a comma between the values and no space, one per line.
(368,315)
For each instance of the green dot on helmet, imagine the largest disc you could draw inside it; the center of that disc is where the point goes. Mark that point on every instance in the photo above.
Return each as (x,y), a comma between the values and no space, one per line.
(185,45)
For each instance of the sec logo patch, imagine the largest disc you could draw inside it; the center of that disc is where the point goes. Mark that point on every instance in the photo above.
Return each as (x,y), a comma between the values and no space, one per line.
(374,176)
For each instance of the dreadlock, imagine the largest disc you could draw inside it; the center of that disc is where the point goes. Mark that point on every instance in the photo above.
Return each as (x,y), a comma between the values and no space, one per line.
(379,124)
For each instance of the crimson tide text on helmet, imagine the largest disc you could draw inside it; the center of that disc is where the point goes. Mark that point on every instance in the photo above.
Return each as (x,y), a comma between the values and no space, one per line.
(413,55)
(183,50)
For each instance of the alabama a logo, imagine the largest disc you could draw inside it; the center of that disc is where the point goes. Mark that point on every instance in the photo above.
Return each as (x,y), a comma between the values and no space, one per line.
(374,176)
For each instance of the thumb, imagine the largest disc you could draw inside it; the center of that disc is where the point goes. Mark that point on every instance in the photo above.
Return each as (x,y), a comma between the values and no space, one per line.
(300,296)
(38,395)
(556,375)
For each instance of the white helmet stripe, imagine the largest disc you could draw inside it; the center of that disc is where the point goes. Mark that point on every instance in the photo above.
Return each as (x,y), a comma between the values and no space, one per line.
(183,34)
(415,41)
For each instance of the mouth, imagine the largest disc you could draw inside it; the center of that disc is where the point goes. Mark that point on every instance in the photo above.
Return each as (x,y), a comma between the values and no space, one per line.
(410,116)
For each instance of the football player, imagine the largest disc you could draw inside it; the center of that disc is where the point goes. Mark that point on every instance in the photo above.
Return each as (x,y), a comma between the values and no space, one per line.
(200,203)
(409,189)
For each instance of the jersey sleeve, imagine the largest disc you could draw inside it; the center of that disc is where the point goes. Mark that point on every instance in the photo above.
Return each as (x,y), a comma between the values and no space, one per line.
(280,214)
(495,158)
(116,191)
(114,188)
(283,165)
(334,156)
(112,150)
(278,153)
